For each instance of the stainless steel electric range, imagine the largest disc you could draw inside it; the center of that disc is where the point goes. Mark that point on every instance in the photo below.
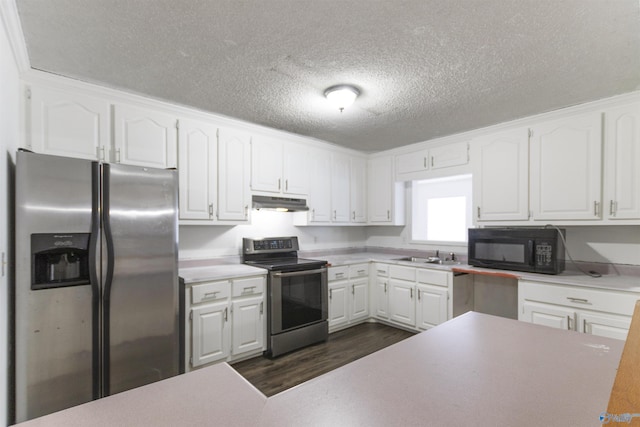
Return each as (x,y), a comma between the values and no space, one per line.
(297,293)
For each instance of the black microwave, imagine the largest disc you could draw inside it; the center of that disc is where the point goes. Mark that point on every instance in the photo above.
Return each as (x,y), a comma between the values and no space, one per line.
(535,250)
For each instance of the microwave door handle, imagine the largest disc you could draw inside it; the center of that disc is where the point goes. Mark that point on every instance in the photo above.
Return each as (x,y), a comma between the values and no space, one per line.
(532,254)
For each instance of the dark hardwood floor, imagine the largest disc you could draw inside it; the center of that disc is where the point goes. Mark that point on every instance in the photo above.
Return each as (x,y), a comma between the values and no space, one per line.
(272,376)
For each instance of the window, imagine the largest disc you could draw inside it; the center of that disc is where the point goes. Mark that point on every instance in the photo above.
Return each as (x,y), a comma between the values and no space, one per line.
(441,209)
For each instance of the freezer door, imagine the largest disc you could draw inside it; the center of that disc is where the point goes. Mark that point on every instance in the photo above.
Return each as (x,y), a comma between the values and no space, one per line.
(141,282)
(55,366)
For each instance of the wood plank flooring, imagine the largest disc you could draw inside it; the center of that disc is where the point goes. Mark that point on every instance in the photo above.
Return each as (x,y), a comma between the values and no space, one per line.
(272,376)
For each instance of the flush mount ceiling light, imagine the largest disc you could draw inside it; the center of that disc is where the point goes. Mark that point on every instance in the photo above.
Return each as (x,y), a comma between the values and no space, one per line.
(341,95)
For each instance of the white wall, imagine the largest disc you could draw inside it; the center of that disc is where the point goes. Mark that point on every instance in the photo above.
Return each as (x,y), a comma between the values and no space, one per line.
(9,134)
(201,242)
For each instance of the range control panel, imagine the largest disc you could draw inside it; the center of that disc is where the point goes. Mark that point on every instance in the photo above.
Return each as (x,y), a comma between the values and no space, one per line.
(270,245)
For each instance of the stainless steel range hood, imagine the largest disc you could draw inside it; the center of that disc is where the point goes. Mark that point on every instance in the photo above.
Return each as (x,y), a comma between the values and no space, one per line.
(280,204)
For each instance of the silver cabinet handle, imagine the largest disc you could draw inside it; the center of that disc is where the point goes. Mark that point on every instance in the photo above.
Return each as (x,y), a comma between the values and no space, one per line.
(425,162)
(299,273)
(579,300)
(117,155)
(330,293)
(361,271)
(596,208)
(286,185)
(210,210)
(262,307)
(246,211)
(248,289)
(568,322)
(478,214)
(353,289)
(339,275)
(419,295)
(385,287)
(213,294)
(613,208)
(226,315)
(411,293)
(335,215)
(313,213)
(100,153)
(279,181)
(431,161)
(388,214)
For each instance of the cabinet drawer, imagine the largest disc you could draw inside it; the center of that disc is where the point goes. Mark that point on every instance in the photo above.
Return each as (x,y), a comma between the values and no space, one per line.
(578,297)
(382,270)
(338,273)
(211,291)
(404,273)
(248,286)
(433,277)
(358,270)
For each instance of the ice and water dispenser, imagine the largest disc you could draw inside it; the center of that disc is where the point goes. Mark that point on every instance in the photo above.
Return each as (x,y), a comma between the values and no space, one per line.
(59,260)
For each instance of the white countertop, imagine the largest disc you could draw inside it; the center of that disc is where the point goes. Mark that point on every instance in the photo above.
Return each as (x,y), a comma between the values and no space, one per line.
(218,272)
(473,370)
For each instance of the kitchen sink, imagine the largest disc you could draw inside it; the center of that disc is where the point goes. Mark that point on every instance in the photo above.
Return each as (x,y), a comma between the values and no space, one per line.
(430,260)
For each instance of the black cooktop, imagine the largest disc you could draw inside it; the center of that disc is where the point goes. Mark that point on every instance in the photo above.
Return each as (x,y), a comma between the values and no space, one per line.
(287,263)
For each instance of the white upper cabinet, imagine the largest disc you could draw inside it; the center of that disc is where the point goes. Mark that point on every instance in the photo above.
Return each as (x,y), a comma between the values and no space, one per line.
(386,197)
(68,124)
(456,154)
(501,176)
(566,169)
(233,175)
(319,200)
(278,167)
(340,188)
(622,167)
(197,168)
(415,161)
(358,189)
(145,137)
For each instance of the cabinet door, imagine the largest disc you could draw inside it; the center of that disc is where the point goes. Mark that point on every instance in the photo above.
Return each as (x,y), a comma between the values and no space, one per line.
(416,161)
(381,186)
(209,333)
(338,307)
(197,168)
(501,176)
(402,307)
(266,164)
(233,175)
(68,124)
(358,189)
(431,306)
(622,179)
(382,297)
(566,171)
(548,315)
(247,325)
(359,300)
(604,325)
(144,137)
(296,170)
(449,155)
(320,187)
(340,177)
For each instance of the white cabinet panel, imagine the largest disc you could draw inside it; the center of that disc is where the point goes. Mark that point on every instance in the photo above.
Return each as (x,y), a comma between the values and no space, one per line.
(338,304)
(566,170)
(233,175)
(548,315)
(382,297)
(320,187)
(604,325)
(359,299)
(296,170)
(266,164)
(622,156)
(69,124)
(449,155)
(402,307)
(415,161)
(209,334)
(340,197)
(144,137)
(248,322)
(358,189)
(501,176)
(197,168)
(385,196)
(431,306)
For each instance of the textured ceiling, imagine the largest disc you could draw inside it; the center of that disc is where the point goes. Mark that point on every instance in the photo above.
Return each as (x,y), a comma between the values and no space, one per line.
(426,68)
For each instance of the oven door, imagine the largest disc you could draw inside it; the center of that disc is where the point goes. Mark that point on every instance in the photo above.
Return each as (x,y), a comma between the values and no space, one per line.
(297,299)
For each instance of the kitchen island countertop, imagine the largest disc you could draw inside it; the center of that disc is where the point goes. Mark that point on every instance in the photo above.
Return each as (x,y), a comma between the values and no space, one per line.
(473,370)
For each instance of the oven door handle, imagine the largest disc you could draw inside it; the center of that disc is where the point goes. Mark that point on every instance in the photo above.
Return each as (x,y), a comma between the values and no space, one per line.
(299,273)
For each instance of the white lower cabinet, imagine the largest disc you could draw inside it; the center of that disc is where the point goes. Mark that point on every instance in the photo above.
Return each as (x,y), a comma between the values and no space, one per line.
(380,293)
(592,311)
(226,320)
(348,295)
(402,307)
(431,306)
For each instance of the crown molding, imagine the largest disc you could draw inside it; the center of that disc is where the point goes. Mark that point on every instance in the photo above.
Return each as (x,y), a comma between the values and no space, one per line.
(13,29)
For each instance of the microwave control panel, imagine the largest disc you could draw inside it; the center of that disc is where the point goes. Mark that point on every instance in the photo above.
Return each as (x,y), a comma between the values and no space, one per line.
(544,253)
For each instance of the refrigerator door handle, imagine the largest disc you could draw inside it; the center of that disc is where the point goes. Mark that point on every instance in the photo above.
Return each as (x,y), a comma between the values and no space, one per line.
(108,281)
(94,259)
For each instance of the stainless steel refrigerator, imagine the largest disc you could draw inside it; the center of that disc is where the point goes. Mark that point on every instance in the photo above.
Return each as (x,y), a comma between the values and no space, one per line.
(96,298)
